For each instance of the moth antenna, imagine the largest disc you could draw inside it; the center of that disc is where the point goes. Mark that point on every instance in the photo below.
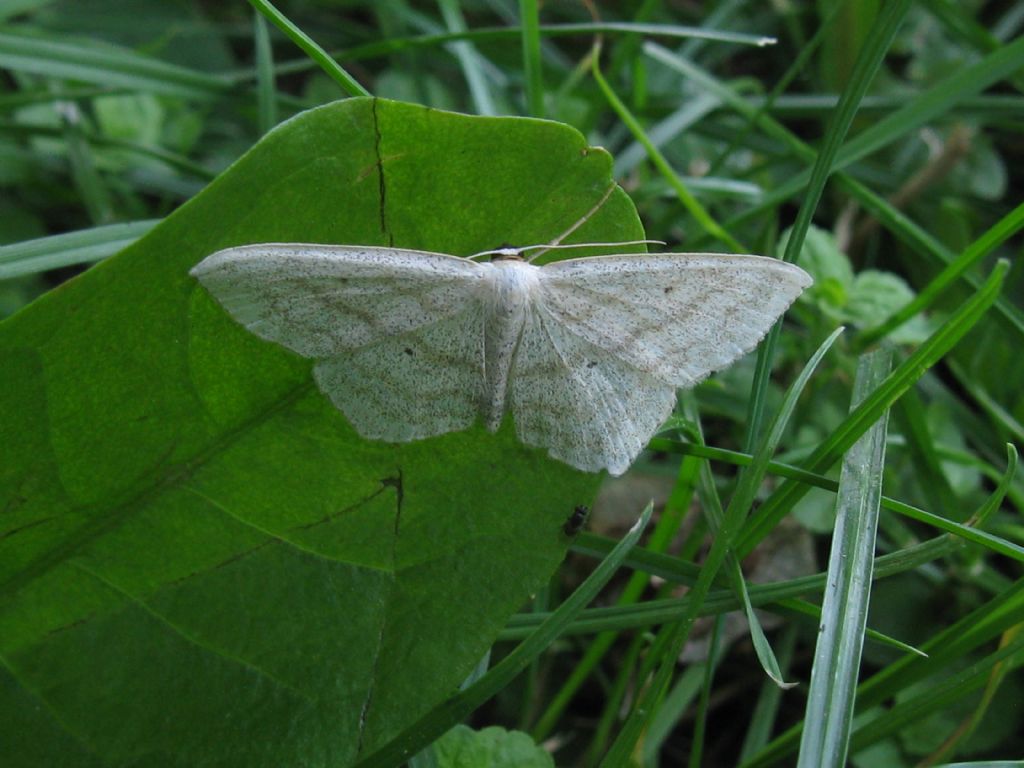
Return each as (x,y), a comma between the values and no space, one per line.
(556,246)
(518,251)
(586,216)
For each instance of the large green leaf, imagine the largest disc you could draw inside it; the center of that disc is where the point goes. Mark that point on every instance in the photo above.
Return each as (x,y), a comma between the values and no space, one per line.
(201,563)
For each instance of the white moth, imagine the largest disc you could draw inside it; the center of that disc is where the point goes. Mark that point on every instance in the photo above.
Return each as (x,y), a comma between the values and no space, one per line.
(586,353)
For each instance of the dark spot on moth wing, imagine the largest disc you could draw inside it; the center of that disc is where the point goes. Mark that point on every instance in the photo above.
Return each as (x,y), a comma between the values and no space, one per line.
(591,363)
(408,351)
(574,524)
(668,289)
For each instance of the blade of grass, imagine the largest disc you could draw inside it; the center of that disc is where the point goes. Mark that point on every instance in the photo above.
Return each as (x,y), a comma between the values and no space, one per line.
(704,219)
(840,440)
(79,247)
(173,159)
(944,651)
(468,58)
(766,711)
(530,18)
(333,70)
(456,709)
(997,234)
(781,597)
(742,500)
(665,530)
(701,723)
(106,65)
(510,33)
(830,700)
(91,186)
(965,532)
(924,107)
(265,89)
(798,607)
(868,62)
(672,638)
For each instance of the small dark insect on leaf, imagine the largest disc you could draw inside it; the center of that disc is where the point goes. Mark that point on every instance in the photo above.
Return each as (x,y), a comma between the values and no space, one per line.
(576,520)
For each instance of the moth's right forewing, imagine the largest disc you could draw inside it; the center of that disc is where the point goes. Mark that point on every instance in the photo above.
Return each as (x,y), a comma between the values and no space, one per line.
(321,300)
(676,316)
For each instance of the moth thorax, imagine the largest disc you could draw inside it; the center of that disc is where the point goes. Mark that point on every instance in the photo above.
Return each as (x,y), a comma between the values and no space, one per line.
(515,282)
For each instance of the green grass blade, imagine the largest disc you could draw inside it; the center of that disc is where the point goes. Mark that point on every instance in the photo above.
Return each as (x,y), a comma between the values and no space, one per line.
(965,532)
(266,97)
(106,65)
(530,18)
(932,103)
(334,70)
(672,638)
(926,106)
(65,250)
(704,219)
(944,651)
(469,59)
(829,713)
(453,711)
(1001,231)
(766,711)
(742,499)
(661,537)
(380,48)
(783,596)
(867,64)
(923,243)
(840,440)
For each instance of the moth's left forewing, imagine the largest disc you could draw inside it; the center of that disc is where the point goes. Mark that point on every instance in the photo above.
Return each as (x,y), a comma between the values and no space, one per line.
(324,300)
(677,316)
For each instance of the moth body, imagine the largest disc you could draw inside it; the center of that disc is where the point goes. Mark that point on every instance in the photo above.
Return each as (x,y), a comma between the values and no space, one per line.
(514,286)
